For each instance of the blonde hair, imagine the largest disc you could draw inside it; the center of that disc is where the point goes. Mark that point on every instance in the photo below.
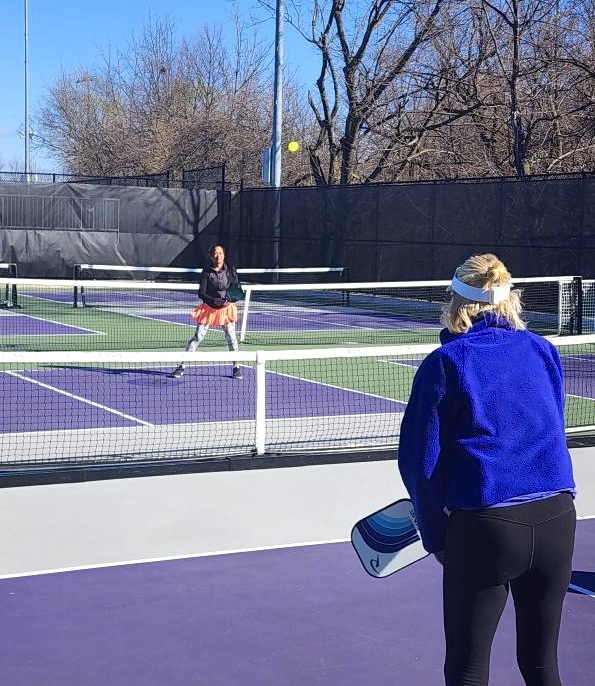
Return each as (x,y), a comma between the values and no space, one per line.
(481,271)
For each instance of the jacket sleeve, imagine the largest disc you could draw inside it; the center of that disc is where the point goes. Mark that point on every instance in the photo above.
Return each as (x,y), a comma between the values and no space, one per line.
(232,276)
(559,378)
(420,451)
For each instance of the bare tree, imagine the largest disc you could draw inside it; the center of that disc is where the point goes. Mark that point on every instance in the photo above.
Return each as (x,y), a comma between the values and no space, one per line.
(567,54)
(448,88)
(425,90)
(164,104)
(382,89)
(535,89)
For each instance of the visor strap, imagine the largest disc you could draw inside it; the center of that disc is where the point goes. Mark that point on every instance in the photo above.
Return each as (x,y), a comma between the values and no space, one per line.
(493,296)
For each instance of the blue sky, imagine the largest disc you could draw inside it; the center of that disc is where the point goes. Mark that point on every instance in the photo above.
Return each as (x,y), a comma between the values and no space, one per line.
(67,34)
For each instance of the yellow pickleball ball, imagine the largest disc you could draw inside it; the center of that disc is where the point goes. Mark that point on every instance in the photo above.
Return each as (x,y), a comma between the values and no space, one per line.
(293,146)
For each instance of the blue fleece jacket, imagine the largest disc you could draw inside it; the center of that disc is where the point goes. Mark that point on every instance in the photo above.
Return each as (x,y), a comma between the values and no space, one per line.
(484,424)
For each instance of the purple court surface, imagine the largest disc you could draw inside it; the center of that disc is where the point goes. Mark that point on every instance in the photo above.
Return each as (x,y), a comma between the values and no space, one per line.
(88,397)
(303,616)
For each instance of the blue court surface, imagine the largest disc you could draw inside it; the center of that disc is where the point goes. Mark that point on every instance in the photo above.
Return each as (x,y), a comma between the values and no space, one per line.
(293,616)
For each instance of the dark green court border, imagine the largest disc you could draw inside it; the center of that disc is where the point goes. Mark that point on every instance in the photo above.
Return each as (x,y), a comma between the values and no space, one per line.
(63,474)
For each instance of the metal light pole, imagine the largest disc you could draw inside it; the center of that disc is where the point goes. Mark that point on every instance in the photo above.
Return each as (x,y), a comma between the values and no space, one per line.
(27,133)
(277,131)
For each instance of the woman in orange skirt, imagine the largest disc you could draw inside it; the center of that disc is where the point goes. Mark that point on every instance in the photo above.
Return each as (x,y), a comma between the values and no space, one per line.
(215,309)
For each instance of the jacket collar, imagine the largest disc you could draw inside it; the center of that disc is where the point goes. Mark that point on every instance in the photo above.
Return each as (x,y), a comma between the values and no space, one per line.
(486,320)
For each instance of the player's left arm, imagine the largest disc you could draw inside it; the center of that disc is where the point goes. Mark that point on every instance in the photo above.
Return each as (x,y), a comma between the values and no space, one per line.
(233,276)
(420,451)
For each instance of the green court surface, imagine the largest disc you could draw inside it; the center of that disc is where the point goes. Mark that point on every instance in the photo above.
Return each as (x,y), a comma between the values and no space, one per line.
(136,327)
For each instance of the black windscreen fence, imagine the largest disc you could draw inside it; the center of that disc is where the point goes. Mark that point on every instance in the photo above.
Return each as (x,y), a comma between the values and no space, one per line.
(386,232)
(48,228)
(422,231)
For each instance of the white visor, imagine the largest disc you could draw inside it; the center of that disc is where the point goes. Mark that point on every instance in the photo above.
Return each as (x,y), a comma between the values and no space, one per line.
(494,295)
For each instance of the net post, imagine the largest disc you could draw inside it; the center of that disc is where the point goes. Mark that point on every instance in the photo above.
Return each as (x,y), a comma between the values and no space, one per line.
(345,278)
(12,271)
(10,290)
(76,275)
(246,306)
(577,287)
(260,431)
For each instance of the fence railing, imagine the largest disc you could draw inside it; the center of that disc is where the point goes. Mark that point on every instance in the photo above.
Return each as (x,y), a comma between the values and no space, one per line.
(209,178)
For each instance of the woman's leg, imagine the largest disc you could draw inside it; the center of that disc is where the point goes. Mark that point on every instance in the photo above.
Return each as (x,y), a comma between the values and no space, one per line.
(232,343)
(538,597)
(470,623)
(482,552)
(199,333)
(229,331)
(528,547)
(474,597)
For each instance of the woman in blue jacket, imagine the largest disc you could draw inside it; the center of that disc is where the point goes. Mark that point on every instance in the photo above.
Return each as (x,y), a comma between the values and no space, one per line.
(483,455)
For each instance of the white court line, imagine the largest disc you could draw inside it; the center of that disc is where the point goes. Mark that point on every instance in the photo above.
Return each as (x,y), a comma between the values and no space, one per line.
(338,324)
(79,398)
(407,364)
(152,318)
(45,298)
(580,397)
(193,556)
(579,357)
(332,324)
(118,309)
(171,558)
(340,388)
(52,321)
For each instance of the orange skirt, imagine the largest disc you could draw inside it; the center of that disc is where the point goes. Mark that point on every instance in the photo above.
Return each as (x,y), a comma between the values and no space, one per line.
(209,316)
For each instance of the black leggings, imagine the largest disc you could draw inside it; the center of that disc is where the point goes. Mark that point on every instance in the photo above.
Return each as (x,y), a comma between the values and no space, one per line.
(525,548)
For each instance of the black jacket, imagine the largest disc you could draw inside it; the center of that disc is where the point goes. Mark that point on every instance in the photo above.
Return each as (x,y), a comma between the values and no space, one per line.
(214,285)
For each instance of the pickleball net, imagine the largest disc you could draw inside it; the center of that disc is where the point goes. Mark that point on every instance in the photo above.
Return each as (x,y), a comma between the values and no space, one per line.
(145,315)
(81,408)
(396,312)
(86,272)
(89,296)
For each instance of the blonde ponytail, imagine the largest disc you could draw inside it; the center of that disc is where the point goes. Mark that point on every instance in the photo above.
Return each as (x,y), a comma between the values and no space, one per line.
(485,272)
